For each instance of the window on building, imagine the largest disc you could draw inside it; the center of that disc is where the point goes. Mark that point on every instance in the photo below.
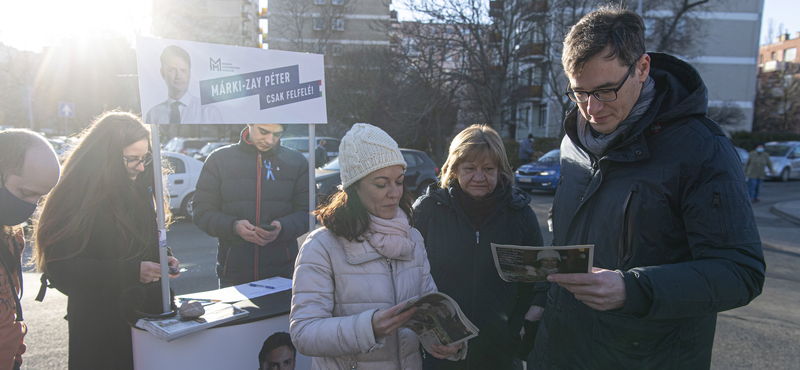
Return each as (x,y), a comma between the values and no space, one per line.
(319,24)
(337,2)
(790,55)
(338,50)
(338,24)
(319,2)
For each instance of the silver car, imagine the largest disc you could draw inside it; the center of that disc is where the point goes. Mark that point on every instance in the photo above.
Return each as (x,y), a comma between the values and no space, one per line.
(785,156)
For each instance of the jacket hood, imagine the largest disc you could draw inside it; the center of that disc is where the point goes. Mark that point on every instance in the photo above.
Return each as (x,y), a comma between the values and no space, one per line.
(680,93)
(518,200)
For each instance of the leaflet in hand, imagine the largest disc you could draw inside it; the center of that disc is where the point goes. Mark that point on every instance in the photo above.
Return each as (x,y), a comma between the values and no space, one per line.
(177,327)
(438,321)
(533,264)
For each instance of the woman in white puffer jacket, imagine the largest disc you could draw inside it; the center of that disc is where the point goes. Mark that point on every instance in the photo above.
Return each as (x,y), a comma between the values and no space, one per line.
(353,275)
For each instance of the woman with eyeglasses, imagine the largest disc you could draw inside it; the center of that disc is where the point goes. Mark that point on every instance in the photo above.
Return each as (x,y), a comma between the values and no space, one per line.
(97,237)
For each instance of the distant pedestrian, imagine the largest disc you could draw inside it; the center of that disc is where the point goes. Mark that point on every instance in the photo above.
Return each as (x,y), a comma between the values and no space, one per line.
(320,154)
(754,170)
(526,149)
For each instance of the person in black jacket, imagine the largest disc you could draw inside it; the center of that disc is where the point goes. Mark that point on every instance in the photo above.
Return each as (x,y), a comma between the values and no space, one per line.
(659,190)
(97,239)
(244,186)
(320,154)
(474,205)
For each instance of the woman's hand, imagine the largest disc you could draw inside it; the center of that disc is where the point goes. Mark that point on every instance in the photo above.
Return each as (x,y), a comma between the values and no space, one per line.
(443,352)
(534,314)
(149,272)
(384,325)
(175,265)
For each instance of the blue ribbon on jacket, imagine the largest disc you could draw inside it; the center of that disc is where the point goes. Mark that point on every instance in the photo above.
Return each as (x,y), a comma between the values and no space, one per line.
(268,166)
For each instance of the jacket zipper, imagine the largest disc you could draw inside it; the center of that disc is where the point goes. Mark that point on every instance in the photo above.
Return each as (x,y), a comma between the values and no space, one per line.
(477,237)
(626,235)
(394,300)
(258,211)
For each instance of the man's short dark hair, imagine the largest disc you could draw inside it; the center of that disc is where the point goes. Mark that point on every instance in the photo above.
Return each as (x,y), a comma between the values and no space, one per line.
(277,340)
(610,25)
(174,51)
(530,136)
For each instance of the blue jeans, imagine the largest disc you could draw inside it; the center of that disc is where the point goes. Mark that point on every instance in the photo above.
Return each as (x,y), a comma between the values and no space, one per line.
(754,187)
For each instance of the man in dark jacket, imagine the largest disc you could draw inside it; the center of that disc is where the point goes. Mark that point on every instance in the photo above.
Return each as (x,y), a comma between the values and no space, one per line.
(243,188)
(320,155)
(659,191)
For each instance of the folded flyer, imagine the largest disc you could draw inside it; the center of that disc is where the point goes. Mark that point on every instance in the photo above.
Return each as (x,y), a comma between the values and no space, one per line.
(438,321)
(516,263)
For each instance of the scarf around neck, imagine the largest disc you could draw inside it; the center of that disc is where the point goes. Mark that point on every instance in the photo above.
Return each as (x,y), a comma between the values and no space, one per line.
(597,142)
(390,237)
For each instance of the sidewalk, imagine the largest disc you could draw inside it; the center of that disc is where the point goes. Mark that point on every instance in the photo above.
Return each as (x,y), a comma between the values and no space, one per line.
(790,211)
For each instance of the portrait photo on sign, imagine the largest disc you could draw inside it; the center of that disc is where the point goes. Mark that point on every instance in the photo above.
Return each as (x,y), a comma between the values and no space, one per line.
(184,82)
(277,353)
(534,264)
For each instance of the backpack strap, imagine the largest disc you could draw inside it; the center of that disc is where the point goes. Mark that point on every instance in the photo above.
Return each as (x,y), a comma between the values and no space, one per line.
(43,287)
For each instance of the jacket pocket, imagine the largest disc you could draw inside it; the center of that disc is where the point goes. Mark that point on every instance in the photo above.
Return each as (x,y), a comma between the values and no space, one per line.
(727,205)
(635,343)
(626,231)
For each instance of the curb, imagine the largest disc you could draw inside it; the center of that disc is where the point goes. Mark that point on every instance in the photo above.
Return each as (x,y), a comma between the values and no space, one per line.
(776,209)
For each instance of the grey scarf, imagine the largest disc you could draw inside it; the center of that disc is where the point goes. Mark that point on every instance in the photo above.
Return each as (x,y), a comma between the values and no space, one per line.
(597,142)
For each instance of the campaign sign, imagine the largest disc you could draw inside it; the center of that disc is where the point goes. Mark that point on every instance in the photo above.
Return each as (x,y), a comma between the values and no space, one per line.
(200,83)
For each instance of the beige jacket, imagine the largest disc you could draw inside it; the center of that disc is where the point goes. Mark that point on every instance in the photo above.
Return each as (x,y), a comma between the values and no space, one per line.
(338,285)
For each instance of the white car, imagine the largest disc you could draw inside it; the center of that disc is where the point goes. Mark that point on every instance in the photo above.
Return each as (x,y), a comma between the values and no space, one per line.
(181,181)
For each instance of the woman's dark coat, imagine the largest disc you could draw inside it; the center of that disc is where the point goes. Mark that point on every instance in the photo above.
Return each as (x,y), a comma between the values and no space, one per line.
(463,268)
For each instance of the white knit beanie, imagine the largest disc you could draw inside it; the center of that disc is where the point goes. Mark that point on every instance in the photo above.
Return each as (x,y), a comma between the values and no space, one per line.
(364,149)
(545,253)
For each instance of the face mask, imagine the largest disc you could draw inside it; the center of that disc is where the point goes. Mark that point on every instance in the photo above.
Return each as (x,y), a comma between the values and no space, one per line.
(14,210)
(759,150)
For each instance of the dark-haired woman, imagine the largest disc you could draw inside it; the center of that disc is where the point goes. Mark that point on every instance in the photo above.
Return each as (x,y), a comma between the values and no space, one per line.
(354,274)
(97,237)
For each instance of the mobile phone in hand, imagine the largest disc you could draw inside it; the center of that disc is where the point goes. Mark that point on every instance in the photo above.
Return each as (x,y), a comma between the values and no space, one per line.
(173,271)
(268,227)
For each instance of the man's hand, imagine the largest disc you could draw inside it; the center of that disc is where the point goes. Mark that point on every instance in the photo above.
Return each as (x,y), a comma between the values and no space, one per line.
(251,233)
(175,264)
(601,289)
(269,236)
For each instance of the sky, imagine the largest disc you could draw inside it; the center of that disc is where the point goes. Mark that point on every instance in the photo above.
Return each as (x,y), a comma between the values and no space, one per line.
(32,25)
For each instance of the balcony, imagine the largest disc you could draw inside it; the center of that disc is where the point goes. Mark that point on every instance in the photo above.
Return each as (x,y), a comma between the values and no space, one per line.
(531,51)
(496,8)
(533,92)
(534,8)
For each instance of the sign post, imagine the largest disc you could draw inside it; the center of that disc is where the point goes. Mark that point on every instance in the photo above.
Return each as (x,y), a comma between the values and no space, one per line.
(216,84)
(66,110)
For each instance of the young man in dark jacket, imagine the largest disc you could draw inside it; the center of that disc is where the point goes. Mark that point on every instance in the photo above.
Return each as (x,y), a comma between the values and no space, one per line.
(659,191)
(242,187)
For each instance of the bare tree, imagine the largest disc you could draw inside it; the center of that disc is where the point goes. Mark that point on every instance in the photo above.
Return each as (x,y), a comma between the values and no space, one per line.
(303,25)
(777,107)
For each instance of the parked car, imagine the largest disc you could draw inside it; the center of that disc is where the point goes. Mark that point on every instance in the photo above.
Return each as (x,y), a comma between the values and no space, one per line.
(743,155)
(785,156)
(300,144)
(181,181)
(206,150)
(540,175)
(188,146)
(420,173)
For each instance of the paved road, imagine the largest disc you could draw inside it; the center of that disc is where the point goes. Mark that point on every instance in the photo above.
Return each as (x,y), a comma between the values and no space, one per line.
(763,335)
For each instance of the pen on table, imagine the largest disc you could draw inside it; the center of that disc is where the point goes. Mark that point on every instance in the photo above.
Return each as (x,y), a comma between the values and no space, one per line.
(262,286)
(199,299)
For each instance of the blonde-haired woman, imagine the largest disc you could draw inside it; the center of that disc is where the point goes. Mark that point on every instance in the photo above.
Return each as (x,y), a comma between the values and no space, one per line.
(474,205)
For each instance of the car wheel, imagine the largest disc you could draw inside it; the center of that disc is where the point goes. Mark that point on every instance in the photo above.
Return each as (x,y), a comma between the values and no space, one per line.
(785,174)
(186,206)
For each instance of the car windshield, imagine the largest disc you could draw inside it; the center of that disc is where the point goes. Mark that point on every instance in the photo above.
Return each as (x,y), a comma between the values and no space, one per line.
(332,165)
(551,156)
(777,150)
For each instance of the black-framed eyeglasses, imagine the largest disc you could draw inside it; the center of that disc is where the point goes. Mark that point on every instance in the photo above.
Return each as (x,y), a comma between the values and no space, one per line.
(604,95)
(132,163)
